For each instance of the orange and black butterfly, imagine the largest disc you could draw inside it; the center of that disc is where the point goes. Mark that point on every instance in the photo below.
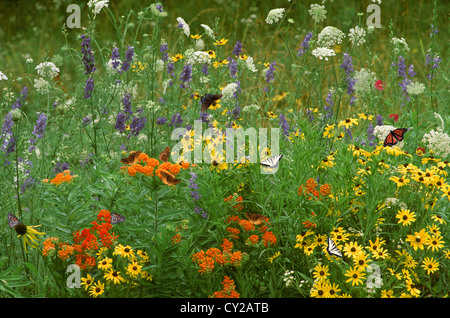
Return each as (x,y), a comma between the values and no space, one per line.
(13,220)
(132,158)
(116,218)
(208,100)
(164,156)
(255,218)
(394,137)
(169,179)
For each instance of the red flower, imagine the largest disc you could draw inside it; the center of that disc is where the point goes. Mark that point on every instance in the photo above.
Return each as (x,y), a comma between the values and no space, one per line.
(379,85)
(395,116)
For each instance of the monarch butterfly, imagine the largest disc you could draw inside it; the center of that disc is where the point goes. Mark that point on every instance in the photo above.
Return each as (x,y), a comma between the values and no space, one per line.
(394,137)
(164,156)
(332,248)
(169,179)
(132,158)
(271,162)
(13,220)
(116,218)
(255,218)
(208,100)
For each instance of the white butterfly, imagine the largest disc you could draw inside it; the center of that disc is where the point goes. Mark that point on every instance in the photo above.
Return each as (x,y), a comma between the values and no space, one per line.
(332,248)
(271,162)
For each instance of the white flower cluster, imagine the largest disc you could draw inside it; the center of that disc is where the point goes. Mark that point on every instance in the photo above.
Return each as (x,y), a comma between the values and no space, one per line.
(250,65)
(208,31)
(390,202)
(323,53)
(228,92)
(41,85)
(317,12)
(415,88)
(365,80)
(275,15)
(3,77)
(98,5)
(252,108)
(156,12)
(288,277)
(330,36)
(437,140)
(47,70)
(357,36)
(184,26)
(197,57)
(399,45)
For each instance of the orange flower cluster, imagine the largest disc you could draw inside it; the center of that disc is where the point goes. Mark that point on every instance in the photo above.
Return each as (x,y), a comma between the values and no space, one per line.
(64,176)
(228,289)
(311,189)
(225,257)
(235,201)
(86,242)
(268,238)
(150,164)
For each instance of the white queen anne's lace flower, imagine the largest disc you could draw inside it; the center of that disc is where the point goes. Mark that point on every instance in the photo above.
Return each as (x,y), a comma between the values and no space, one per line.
(184,26)
(208,30)
(275,15)
(415,88)
(357,36)
(365,80)
(323,53)
(228,92)
(47,70)
(252,108)
(399,45)
(330,36)
(98,5)
(317,12)
(437,140)
(250,65)
(3,77)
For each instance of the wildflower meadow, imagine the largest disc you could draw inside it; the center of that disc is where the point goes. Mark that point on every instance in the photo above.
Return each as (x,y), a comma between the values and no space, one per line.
(224,149)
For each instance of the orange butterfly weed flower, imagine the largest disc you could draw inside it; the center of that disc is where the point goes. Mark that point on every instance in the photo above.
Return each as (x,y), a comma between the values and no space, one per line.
(66,250)
(325,189)
(269,238)
(227,245)
(234,232)
(176,238)
(225,257)
(311,183)
(309,224)
(49,245)
(235,201)
(228,289)
(246,225)
(252,240)
(61,177)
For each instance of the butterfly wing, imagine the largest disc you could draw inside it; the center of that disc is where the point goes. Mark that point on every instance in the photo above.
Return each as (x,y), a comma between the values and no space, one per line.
(271,162)
(255,218)
(169,179)
(207,100)
(394,137)
(332,248)
(132,158)
(398,133)
(164,156)
(117,218)
(13,220)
